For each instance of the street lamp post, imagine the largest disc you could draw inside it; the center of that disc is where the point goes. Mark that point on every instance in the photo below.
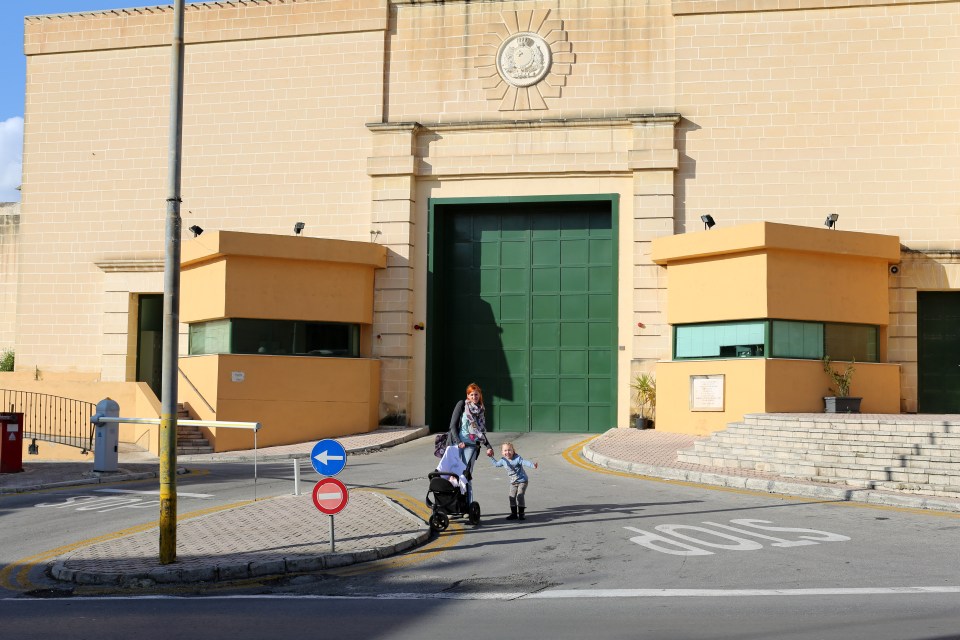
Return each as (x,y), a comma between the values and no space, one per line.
(171,307)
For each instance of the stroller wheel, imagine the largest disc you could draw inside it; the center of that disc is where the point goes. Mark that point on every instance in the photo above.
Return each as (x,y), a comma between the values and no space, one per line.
(439,522)
(474,514)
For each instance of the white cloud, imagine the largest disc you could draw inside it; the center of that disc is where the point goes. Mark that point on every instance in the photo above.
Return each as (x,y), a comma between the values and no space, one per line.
(11,158)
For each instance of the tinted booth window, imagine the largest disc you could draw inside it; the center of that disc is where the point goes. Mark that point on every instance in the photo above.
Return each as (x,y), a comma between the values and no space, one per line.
(721,340)
(276,337)
(777,339)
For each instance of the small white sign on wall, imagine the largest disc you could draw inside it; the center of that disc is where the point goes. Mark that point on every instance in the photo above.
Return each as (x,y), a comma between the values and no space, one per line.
(706,393)
(237,376)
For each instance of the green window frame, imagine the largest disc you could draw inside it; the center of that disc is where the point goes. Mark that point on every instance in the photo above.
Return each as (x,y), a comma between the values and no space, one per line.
(798,339)
(274,337)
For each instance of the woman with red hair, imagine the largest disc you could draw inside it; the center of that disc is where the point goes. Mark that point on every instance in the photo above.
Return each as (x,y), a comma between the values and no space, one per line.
(468,426)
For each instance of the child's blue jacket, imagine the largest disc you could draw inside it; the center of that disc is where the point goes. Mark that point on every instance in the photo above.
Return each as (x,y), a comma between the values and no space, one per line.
(514,468)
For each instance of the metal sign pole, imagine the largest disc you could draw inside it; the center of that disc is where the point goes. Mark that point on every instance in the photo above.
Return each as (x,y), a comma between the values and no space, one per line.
(296,477)
(332,547)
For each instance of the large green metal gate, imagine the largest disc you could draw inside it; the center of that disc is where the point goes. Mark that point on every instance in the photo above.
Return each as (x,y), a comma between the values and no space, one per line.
(523,302)
(938,351)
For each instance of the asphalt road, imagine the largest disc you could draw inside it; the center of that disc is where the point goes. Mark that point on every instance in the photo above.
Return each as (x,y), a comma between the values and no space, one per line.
(601,554)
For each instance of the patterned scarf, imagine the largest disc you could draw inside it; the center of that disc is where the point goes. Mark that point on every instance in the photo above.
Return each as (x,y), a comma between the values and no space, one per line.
(474,413)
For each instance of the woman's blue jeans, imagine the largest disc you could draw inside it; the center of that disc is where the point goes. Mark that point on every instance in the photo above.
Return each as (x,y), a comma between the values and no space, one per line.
(469,454)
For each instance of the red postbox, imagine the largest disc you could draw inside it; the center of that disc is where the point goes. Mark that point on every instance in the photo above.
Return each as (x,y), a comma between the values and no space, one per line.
(11,442)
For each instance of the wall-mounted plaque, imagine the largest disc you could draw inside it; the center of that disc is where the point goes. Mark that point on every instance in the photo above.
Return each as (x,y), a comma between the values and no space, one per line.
(706,393)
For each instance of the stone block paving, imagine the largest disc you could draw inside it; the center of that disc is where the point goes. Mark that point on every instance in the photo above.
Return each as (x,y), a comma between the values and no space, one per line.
(658,449)
(279,535)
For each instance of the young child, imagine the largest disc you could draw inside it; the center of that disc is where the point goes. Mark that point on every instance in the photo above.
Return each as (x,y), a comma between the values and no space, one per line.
(518,477)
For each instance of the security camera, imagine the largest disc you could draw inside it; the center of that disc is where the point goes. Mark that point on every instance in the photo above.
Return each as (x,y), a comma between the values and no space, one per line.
(894,269)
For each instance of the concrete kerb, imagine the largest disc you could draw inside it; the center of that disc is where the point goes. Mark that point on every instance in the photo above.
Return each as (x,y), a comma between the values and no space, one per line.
(779,487)
(99,478)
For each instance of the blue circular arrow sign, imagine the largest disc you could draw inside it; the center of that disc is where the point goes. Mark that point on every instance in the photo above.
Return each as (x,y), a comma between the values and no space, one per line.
(328,457)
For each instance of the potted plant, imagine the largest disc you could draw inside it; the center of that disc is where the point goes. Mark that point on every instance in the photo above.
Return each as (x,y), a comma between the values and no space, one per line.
(841,401)
(644,386)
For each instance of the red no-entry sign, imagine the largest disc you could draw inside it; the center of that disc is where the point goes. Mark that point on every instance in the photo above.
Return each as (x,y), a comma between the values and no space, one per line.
(330,496)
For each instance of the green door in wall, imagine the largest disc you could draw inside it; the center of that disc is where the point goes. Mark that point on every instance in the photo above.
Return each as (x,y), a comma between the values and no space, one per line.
(524,302)
(938,351)
(150,340)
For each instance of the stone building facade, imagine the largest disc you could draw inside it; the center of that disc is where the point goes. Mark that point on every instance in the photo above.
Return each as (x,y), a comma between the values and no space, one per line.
(365,118)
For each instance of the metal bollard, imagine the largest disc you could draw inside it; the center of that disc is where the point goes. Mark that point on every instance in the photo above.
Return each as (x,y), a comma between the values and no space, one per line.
(296,477)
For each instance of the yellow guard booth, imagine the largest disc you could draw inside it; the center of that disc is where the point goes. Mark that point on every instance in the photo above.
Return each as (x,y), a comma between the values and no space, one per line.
(280,333)
(754,308)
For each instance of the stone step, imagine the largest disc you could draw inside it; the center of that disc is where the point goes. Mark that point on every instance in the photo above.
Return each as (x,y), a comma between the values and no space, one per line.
(186,451)
(796,442)
(854,474)
(857,422)
(888,435)
(815,441)
(840,449)
(921,463)
(190,440)
(918,454)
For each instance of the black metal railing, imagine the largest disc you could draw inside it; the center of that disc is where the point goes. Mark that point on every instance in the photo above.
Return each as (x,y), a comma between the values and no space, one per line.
(52,418)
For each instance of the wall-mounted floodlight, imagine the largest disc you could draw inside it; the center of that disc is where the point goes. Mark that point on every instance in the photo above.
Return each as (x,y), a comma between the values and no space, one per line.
(196,230)
(831,221)
(708,221)
(298,228)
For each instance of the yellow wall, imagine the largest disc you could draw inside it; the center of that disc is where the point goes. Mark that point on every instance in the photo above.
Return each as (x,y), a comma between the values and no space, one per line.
(296,399)
(828,288)
(709,289)
(298,290)
(52,451)
(744,388)
(757,385)
(230,274)
(203,292)
(770,270)
(800,385)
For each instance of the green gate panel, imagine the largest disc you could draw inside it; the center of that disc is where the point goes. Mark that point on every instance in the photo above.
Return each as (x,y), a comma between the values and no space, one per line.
(938,351)
(524,304)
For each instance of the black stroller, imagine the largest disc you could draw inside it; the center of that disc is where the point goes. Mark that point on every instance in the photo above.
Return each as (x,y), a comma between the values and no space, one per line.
(446,499)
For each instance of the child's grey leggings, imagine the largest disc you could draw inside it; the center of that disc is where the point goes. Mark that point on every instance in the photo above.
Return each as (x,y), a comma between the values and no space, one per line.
(516,493)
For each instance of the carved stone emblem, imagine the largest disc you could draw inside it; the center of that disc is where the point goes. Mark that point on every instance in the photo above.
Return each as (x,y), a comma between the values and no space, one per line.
(524,59)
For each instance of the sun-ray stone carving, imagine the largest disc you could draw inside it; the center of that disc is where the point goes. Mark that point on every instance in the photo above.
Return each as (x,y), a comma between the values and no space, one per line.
(524,59)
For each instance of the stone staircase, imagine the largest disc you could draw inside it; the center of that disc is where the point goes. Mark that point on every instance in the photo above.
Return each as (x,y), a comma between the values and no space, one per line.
(912,453)
(190,440)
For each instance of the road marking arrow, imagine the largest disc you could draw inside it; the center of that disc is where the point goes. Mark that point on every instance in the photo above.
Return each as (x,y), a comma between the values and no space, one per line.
(324,456)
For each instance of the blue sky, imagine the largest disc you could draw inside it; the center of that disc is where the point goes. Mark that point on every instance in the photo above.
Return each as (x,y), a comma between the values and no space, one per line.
(13,69)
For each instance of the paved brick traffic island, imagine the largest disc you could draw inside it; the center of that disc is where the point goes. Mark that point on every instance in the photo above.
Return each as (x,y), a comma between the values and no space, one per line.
(286,534)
